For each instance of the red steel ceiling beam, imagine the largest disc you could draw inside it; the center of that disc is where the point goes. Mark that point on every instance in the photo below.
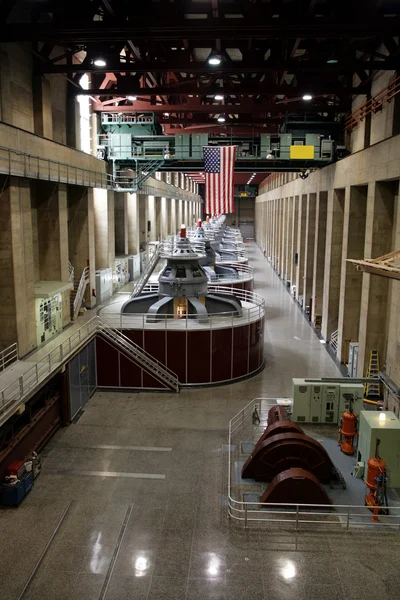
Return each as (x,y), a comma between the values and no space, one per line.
(245,107)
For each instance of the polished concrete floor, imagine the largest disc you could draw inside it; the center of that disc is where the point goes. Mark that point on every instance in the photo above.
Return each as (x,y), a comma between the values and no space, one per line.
(141,482)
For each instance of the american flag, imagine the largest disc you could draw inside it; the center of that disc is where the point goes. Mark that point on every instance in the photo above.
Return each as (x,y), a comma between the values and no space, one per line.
(219,167)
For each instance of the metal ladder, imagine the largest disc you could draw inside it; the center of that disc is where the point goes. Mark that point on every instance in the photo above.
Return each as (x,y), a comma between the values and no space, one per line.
(145,276)
(373,389)
(140,357)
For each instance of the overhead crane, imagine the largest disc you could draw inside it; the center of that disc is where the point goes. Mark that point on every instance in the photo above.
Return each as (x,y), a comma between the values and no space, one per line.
(136,147)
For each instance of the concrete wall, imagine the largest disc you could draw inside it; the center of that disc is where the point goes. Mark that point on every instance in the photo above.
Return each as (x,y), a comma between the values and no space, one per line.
(351,211)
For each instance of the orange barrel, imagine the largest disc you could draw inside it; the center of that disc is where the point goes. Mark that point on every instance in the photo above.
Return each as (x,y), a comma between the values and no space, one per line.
(376,466)
(349,422)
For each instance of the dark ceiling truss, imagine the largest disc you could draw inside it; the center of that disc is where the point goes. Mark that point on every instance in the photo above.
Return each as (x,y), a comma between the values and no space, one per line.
(272,53)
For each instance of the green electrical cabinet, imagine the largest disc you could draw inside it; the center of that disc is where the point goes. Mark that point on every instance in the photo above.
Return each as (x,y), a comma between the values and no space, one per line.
(385,426)
(286,142)
(182,145)
(265,145)
(198,141)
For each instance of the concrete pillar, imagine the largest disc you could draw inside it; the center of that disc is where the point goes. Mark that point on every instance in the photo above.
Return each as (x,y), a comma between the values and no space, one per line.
(133,223)
(151,218)
(393,350)
(276,233)
(42,109)
(289,233)
(164,219)
(309,250)
(173,226)
(103,201)
(158,218)
(81,240)
(355,210)
(375,289)
(280,235)
(50,201)
(121,223)
(333,262)
(319,256)
(179,214)
(301,244)
(295,217)
(17,294)
(142,220)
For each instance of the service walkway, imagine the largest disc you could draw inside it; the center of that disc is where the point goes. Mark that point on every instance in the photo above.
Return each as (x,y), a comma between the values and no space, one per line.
(146,477)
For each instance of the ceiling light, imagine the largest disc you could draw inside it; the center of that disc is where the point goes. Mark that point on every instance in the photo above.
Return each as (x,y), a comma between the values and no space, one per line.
(99,62)
(166,114)
(133,98)
(307,97)
(221,119)
(332,60)
(219,97)
(214,58)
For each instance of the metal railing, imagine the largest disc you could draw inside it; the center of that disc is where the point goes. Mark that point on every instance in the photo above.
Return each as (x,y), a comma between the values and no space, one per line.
(142,358)
(22,164)
(71,272)
(19,390)
(373,105)
(334,340)
(256,514)
(145,276)
(250,314)
(8,356)
(84,280)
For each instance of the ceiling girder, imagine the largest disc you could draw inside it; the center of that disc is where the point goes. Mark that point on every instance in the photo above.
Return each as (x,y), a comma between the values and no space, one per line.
(299,26)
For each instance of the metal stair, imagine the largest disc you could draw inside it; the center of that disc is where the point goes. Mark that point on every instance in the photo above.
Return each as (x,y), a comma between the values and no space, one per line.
(145,276)
(140,357)
(146,170)
(78,293)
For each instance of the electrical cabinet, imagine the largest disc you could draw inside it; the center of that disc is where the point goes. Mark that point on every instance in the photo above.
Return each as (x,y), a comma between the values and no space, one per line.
(104,285)
(198,141)
(385,426)
(121,145)
(324,402)
(134,266)
(353,359)
(48,317)
(121,272)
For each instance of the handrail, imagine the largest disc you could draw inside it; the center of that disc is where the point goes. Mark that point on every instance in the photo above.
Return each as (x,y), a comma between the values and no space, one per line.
(23,164)
(374,104)
(169,321)
(8,356)
(334,340)
(36,167)
(156,368)
(71,272)
(81,290)
(343,516)
(138,288)
(14,394)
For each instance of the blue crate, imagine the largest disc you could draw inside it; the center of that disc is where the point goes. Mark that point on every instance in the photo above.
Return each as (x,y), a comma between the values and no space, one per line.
(12,495)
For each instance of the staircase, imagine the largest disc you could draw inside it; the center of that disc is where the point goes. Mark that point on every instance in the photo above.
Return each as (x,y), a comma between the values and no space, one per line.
(145,276)
(78,293)
(140,357)
(373,390)
(146,170)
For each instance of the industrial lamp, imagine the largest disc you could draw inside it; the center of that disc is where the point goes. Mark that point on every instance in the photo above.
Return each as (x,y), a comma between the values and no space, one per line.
(214,59)
(99,62)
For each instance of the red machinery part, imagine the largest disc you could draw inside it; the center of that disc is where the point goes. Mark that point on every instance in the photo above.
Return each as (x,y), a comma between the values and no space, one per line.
(284,426)
(348,431)
(276,413)
(296,486)
(286,451)
(376,466)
